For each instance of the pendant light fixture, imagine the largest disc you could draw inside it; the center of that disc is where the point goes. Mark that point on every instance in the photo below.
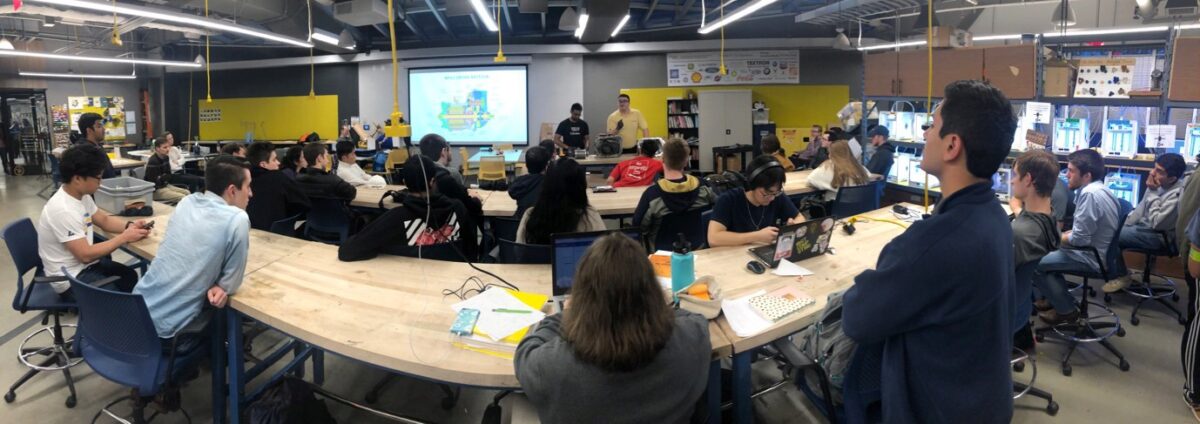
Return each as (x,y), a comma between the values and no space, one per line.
(1064,15)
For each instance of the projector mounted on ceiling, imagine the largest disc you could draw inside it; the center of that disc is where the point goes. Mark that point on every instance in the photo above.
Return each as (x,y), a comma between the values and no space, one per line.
(361,12)
(1181,7)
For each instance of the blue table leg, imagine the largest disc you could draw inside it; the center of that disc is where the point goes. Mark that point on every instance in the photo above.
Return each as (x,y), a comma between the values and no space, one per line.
(714,392)
(318,359)
(298,371)
(743,405)
(218,368)
(236,365)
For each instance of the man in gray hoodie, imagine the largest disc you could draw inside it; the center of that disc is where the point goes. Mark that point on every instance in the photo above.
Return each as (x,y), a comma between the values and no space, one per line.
(1153,217)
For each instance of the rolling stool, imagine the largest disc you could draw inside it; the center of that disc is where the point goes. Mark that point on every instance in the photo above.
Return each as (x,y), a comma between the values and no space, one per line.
(1146,289)
(1021,389)
(1091,328)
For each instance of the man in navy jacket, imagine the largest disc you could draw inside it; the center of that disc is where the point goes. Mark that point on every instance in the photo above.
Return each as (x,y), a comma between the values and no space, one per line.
(932,318)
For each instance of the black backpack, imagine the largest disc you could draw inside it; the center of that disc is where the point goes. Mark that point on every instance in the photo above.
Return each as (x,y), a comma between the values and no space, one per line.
(725,181)
(290,401)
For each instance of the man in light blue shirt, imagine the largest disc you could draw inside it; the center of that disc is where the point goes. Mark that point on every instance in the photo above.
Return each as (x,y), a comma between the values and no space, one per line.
(203,255)
(1096,212)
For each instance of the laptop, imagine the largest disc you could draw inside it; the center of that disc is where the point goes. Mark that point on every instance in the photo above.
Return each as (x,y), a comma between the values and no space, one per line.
(566,251)
(797,242)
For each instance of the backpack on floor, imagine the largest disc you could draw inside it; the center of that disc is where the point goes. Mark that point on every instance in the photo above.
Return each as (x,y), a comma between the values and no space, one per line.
(289,401)
(826,343)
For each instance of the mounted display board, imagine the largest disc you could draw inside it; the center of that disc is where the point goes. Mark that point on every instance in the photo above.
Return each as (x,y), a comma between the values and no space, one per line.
(1110,78)
(111,108)
(742,67)
(268,118)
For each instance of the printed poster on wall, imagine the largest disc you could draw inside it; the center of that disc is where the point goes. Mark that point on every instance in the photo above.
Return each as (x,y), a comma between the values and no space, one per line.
(111,108)
(742,67)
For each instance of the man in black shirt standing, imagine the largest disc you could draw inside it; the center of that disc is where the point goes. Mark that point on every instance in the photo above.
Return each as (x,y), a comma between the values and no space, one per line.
(572,133)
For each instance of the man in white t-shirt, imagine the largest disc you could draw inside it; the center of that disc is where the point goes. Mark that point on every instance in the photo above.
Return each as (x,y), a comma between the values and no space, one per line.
(348,169)
(67,223)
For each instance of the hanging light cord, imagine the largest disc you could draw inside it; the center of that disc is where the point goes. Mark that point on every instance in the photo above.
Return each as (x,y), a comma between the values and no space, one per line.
(395,70)
(207,60)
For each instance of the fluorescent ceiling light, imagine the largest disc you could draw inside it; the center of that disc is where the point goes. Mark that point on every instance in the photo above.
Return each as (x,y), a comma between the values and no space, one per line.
(324,37)
(164,15)
(583,19)
(1192,26)
(620,25)
(99,59)
(893,45)
(5,44)
(484,16)
(88,76)
(997,37)
(1106,31)
(739,14)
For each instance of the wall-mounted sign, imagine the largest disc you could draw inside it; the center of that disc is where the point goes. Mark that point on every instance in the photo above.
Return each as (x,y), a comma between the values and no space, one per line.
(742,67)
(210,114)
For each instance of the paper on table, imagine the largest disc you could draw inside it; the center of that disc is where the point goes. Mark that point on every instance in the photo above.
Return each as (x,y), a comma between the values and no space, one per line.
(498,325)
(741,316)
(789,269)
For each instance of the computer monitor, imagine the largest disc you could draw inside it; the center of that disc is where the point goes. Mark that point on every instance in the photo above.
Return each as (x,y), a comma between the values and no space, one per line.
(1002,181)
(567,250)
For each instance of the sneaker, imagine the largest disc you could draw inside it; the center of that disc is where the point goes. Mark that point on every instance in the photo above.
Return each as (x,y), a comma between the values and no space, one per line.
(1053,318)
(1194,407)
(1042,305)
(1117,284)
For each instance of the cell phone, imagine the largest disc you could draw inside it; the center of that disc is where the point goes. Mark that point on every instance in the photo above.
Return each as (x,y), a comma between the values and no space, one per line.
(807,139)
(148,225)
(604,189)
(464,324)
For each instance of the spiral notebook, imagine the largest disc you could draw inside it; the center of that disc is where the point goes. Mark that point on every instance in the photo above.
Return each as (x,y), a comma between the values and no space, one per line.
(778,304)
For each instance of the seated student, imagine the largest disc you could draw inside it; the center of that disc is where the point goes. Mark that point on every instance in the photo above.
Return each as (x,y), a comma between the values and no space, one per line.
(750,215)
(1157,212)
(562,206)
(317,183)
(435,147)
(770,146)
(647,364)
(841,170)
(347,167)
(525,188)
(400,230)
(639,171)
(449,180)
(179,175)
(675,192)
(158,171)
(66,226)
(179,281)
(549,146)
(1096,213)
(91,131)
(885,153)
(275,195)
(234,149)
(933,319)
(293,162)
(806,156)
(1035,231)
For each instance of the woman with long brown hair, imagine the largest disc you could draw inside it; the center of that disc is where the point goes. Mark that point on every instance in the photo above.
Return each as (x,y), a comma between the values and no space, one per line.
(841,170)
(618,352)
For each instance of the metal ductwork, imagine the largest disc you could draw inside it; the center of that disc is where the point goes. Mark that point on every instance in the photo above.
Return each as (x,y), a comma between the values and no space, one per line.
(603,18)
(848,10)
(74,17)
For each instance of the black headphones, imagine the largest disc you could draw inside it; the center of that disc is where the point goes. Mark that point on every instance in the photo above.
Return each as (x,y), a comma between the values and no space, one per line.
(761,169)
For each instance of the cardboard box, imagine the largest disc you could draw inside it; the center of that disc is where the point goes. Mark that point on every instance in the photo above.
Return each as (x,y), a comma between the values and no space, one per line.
(1058,81)
(945,37)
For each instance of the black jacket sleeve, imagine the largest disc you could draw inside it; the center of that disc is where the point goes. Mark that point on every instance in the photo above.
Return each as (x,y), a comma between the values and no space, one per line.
(156,170)
(294,198)
(366,244)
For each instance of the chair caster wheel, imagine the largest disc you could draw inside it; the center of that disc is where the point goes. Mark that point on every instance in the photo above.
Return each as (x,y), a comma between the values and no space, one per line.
(70,401)
(1019,367)
(10,397)
(1066,370)
(448,403)
(1120,332)
(1052,408)
(1134,320)
(1107,298)
(1039,337)
(1124,366)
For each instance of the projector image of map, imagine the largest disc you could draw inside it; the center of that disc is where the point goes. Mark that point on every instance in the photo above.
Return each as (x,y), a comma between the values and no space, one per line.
(470,114)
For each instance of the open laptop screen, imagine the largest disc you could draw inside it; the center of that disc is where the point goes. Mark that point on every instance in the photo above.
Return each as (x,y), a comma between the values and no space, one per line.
(568,249)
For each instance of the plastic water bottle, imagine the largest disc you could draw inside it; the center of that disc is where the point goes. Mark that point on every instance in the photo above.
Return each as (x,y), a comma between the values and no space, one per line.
(683,267)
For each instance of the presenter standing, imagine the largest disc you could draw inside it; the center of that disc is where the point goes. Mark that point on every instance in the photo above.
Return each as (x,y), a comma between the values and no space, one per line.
(628,123)
(572,133)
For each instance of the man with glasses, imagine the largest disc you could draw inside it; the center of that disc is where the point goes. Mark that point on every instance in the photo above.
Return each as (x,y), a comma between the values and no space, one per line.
(628,123)
(91,127)
(752,215)
(68,220)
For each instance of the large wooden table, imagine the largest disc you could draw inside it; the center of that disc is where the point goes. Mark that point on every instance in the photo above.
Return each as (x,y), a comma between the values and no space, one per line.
(624,201)
(368,198)
(126,163)
(593,160)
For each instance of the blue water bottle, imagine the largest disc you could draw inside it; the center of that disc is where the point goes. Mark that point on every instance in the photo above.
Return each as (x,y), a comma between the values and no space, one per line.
(683,267)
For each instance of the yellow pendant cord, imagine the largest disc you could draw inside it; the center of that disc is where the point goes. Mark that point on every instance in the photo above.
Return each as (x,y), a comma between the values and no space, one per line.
(499,37)
(116,36)
(207,60)
(397,129)
(929,86)
(312,67)
(722,70)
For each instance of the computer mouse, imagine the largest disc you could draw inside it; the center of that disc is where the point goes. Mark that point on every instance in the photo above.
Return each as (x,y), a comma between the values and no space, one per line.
(756,267)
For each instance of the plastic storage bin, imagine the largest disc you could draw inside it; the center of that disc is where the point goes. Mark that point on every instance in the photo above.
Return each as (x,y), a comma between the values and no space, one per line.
(115,193)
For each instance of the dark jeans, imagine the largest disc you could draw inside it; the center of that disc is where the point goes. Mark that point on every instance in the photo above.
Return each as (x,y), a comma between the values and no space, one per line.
(1049,281)
(6,156)
(1136,237)
(105,268)
(193,183)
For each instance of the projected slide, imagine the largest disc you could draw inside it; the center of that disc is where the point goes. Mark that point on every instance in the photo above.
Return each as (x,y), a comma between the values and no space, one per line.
(474,105)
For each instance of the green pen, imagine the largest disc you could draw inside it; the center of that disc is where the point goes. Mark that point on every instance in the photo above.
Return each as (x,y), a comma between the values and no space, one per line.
(512,311)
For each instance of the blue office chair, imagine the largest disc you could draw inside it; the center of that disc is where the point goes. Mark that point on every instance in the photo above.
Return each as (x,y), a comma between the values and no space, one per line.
(690,223)
(1147,289)
(21,238)
(328,221)
(55,178)
(854,200)
(512,252)
(118,340)
(1022,308)
(505,227)
(286,226)
(1093,328)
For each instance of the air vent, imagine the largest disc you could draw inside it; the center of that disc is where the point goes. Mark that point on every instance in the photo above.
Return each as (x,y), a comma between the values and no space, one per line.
(1182,7)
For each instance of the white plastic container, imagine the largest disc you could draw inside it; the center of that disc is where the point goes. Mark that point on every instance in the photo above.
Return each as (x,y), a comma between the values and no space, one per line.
(116,192)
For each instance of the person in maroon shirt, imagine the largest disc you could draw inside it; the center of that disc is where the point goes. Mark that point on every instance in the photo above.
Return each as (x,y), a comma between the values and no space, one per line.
(639,171)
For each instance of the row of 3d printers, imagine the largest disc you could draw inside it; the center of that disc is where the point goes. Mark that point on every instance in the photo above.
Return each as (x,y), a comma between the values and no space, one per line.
(1125,185)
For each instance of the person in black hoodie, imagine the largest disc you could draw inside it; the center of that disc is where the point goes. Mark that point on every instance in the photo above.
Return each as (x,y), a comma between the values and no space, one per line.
(881,161)
(275,195)
(675,192)
(450,182)
(316,183)
(525,188)
(395,233)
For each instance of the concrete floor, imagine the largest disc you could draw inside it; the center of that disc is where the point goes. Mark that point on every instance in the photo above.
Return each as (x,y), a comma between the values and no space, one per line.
(1097,392)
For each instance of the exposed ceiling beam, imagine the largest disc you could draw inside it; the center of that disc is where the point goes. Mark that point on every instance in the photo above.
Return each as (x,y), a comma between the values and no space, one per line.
(649,11)
(507,16)
(680,13)
(543,24)
(437,14)
(475,20)
(412,26)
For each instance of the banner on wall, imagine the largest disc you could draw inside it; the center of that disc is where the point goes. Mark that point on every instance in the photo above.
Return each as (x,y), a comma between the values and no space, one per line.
(111,108)
(742,67)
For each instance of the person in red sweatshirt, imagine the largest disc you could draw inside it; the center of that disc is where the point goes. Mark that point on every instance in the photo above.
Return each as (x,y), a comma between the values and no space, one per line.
(639,171)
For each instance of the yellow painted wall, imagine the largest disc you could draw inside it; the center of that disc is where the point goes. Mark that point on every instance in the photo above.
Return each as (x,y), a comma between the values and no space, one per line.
(792,106)
(270,118)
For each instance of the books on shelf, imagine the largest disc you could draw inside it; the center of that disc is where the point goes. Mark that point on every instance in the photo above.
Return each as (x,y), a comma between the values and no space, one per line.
(682,107)
(682,121)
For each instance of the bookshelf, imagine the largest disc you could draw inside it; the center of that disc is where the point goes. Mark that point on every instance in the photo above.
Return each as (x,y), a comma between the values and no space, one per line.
(683,118)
